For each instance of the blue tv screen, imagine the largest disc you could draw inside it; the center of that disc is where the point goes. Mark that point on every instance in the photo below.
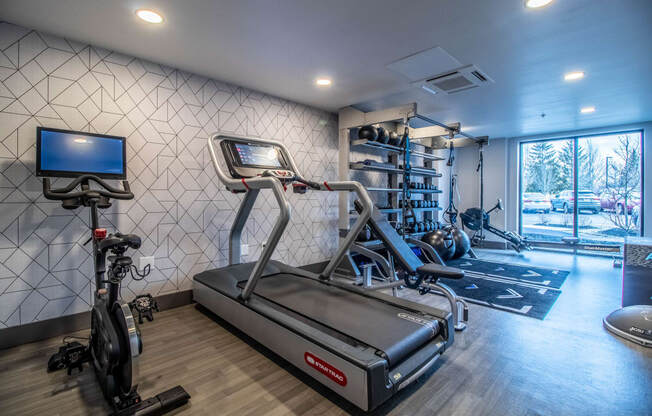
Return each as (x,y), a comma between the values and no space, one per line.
(62,153)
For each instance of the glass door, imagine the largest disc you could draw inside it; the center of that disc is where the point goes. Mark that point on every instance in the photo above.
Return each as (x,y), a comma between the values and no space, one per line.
(547,178)
(610,184)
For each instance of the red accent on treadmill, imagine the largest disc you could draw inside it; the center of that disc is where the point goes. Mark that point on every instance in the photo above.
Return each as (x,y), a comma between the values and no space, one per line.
(325,368)
(245,184)
(327,187)
(99,233)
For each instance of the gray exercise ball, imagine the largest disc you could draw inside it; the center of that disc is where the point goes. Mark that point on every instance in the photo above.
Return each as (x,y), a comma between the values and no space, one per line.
(462,242)
(442,241)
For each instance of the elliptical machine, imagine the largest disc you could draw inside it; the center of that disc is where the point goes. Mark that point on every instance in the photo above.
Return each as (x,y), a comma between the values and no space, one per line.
(115,343)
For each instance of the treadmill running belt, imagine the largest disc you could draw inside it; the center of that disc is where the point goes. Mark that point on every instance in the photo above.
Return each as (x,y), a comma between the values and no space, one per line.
(375,323)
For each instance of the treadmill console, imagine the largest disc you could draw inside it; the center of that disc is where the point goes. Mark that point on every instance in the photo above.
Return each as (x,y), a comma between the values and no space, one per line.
(250,159)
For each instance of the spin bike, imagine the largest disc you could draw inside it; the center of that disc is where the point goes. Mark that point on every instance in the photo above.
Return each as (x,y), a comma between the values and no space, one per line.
(115,342)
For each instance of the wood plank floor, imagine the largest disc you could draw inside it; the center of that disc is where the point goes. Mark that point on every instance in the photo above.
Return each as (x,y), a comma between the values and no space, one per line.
(503,364)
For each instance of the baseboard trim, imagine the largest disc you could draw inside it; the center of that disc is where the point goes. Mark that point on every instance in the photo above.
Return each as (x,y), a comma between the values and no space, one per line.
(493,245)
(37,331)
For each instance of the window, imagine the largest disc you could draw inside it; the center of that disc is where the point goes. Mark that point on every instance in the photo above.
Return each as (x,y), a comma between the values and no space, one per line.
(587,187)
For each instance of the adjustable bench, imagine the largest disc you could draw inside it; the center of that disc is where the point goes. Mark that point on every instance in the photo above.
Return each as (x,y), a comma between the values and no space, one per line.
(417,274)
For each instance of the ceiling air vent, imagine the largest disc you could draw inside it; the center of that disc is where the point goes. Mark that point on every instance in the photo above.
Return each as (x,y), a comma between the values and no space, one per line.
(461,79)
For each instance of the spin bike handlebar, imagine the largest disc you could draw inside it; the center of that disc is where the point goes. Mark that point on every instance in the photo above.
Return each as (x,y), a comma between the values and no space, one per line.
(64,193)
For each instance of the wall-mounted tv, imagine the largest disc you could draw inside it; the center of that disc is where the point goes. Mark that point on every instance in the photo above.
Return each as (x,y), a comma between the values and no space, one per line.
(65,153)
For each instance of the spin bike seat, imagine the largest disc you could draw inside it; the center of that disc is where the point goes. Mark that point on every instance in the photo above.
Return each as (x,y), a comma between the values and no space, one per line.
(118,240)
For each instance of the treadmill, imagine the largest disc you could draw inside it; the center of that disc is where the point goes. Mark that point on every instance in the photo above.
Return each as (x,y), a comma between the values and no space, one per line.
(364,346)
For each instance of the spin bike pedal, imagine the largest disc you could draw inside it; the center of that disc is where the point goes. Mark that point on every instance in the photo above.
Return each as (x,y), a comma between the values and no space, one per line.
(71,355)
(145,305)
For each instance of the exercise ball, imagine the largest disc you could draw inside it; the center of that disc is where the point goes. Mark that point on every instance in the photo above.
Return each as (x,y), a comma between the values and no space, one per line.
(383,136)
(368,133)
(442,241)
(462,242)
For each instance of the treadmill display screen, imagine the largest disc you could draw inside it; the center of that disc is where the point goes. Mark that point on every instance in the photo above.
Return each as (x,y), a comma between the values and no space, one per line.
(257,155)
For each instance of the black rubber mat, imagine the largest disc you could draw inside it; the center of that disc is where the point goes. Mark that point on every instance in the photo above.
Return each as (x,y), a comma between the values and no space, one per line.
(524,299)
(552,278)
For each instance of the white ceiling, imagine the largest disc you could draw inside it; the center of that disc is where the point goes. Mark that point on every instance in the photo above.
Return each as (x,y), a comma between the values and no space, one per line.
(281,46)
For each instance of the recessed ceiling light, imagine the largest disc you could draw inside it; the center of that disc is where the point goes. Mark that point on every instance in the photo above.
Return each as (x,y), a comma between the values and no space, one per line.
(587,110)
(572,76)
(535,4)
(323,82)
(149,16)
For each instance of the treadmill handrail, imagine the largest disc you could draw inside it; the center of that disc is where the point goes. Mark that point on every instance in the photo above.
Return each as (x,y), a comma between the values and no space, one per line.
(267,182)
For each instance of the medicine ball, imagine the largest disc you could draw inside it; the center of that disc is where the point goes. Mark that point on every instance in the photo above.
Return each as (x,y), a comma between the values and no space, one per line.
(394,140)
(365,234)
(367,133)
(462,242)
(383,137)
(442,242)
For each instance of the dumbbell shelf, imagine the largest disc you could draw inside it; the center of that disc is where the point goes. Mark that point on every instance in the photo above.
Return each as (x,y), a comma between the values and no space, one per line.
(427,209)
(397,149)
(414,191)
(377,244)
(399,210)
(377,145)
(426,155)
(423,172)
(362,166)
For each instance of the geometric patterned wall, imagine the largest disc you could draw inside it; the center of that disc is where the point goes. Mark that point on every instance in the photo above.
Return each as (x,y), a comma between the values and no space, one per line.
(180,211)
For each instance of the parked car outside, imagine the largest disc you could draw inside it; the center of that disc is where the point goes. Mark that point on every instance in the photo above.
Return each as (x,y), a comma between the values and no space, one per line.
(565,201)
(610,200)
(536,202)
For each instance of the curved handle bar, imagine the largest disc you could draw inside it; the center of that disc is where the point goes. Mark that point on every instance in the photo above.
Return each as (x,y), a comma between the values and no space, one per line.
(65,193)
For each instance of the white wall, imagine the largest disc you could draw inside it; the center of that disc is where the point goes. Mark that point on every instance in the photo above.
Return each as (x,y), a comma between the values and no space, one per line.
(495,185)
(182,213)
(502,180)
